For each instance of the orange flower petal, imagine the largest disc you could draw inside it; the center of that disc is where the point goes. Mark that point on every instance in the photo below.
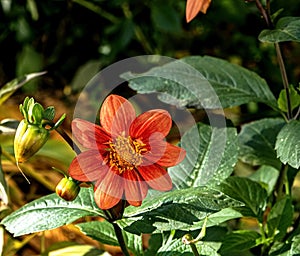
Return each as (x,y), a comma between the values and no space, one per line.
(156,177)
(88,134)
(150,122)
(116,114)
(164,154)
(193,7)
(87,166)
(135,188)
(109,190)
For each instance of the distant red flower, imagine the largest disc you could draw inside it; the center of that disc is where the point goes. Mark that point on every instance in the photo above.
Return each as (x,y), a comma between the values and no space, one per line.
(193,7)
(126,154)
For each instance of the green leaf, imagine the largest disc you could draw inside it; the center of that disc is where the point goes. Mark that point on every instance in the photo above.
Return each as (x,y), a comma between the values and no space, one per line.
(29,60)
(49,113)
(288,144)
(239,241)
(50,212)
(202,82)
(247,191)
(267,177)
(257,142)
(36,113)
(211,155)
(217,218)
(104,232)
(175,209)
(280,249)
(8,89)
(294,97)
(295,249)
(76,250)
(178,248)
(3,185)
(287,29)
(280,218)
(154,243)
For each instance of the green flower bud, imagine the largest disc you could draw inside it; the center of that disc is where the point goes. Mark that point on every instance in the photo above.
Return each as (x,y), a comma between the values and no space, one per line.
(29,138)
(68,189)
(31,133)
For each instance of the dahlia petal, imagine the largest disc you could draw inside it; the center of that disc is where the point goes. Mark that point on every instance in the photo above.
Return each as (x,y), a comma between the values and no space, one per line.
(88,166)
(116,114)
(135,188)
(88,134)
(156,177)
(109,191)
(193,7)
(163,153)
(153,121)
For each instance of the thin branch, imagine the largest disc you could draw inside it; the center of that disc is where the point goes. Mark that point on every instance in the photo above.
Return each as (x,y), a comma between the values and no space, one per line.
(284,80)
(267,17)
(264,13)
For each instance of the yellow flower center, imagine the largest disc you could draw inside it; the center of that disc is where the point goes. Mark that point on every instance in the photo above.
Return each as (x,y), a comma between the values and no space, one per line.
(126,153)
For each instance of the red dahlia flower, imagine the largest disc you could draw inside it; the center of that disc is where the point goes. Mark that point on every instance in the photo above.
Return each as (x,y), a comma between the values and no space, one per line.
(126,154)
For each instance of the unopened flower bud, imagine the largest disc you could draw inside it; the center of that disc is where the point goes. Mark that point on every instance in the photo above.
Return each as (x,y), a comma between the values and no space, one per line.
(29,139)
(67,189)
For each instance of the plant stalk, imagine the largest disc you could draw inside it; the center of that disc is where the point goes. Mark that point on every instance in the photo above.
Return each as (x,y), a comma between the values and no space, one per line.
(68,139)
(284,80)
(266,15)
(120,238)
(194,249)
(111,217)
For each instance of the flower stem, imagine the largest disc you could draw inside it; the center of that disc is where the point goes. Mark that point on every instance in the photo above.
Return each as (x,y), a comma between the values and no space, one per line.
(120,238)
(282,186)
(188,239)
(265,12)
(113,214)
(284,80)
(68,139)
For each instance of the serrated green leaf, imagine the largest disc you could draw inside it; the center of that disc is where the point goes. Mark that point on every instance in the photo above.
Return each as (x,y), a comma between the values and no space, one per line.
(247,191)
(202,82)
(288,144)
(175,209)
(211,155)
(239,241)
(178,248)
(280,249)
(9,88)
(267,177)
(287,29)
(295,248)
(257,142)
(50,212)
(104,233)
(294,97)
(217,218)
(280,218)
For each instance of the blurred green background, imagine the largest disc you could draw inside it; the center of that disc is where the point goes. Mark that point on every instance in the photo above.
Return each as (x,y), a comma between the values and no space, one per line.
(64,37)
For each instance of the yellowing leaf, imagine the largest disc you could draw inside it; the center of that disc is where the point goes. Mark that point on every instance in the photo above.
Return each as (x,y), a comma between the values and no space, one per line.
(193,7)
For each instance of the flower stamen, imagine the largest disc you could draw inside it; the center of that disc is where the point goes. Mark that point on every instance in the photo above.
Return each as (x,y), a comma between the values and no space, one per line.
(126,153)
